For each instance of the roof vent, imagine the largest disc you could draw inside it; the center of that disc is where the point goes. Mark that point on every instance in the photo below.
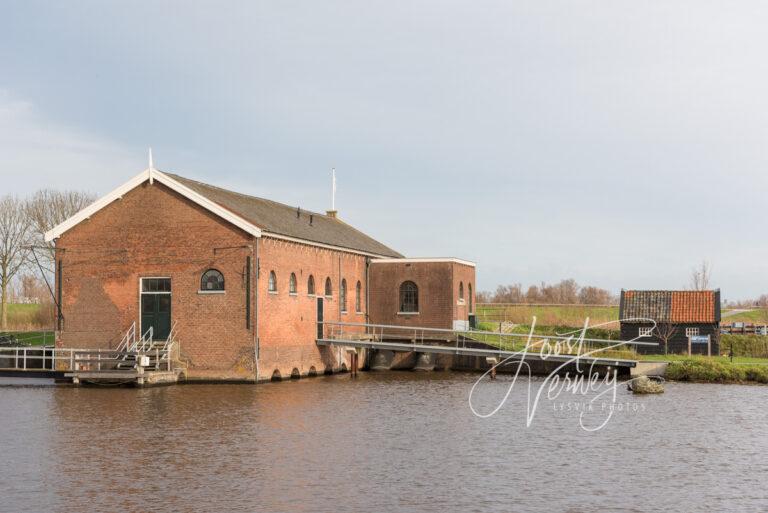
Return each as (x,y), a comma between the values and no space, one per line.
(311,218)
(298,212)
(331,213)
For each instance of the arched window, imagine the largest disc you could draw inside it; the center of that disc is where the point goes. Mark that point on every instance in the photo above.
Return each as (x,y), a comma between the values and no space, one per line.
(469,290)
(272,281)
(461,291)
(292,284)
(311,285)
(212,281)
(328,288)
(409,297)
(343,295)
(358,293)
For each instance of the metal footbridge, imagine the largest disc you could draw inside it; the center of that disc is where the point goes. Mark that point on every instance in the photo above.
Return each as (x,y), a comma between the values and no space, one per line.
(499,345)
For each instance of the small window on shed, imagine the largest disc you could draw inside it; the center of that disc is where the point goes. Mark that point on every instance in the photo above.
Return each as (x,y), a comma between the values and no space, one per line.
(328,288)
(292,284)
(272,281)
(311,285)
(212,281)
(644,332)
(691,332)
(409,297)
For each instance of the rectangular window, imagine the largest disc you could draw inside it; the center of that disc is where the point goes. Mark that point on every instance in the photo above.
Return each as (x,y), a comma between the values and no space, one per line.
(156,285)
(645,332)
(691,332)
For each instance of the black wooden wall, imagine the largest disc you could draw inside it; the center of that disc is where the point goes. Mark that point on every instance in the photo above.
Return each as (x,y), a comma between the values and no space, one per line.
(678,344)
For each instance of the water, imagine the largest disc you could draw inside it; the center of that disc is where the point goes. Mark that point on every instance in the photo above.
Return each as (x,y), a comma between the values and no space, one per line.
(383,442)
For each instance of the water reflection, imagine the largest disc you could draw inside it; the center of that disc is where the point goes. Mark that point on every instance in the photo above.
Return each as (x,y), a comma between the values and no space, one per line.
(383,442)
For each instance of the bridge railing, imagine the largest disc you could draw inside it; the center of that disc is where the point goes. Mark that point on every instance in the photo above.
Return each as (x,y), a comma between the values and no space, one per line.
(340,331)
(41,358)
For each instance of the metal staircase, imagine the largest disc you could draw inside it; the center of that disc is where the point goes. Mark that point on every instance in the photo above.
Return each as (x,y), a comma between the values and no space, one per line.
(152,355)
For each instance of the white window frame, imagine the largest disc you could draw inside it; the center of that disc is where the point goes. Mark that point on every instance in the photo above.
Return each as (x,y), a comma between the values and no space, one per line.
(691,332)
(644,332)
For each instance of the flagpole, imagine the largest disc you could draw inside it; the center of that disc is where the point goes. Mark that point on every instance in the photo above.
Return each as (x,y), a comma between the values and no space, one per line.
(333,189)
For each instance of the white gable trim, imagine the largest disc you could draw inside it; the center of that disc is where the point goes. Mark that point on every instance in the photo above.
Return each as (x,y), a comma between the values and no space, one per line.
(422,261)
(153,175)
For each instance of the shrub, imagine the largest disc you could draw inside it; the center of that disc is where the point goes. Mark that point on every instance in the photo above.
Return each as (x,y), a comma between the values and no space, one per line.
(715,372)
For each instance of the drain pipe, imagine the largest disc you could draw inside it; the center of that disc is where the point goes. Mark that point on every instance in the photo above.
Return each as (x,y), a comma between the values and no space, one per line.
(255,314)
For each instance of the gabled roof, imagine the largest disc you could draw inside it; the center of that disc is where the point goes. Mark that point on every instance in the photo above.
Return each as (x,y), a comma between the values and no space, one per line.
(676,306)
(282,221)
(256,216)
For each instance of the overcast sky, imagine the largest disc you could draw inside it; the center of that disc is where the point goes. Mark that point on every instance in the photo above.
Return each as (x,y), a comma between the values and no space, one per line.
(615,142)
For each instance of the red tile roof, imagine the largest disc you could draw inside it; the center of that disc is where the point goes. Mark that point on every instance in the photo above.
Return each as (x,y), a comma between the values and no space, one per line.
(693,306)
(680,306)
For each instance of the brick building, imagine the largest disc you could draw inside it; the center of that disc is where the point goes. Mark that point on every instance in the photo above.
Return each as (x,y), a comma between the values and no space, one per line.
(685,320)
(243,279)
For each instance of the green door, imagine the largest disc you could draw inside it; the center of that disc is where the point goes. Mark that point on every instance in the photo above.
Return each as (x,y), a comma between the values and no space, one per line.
(156,307)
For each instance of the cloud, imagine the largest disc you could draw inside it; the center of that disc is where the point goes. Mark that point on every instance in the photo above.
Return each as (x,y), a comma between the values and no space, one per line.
(36,152)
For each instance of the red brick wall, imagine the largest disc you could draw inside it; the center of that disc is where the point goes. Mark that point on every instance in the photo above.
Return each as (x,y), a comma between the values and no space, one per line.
(463,274)
(438,284)
(154,232)
(288,323)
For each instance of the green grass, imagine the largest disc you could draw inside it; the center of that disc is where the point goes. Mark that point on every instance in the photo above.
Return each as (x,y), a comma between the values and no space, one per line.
(570,316)
(739,360)
(509,343)
(759,316)
(32,338)
(19,309)
(714,370)
(745,345)
(26,317)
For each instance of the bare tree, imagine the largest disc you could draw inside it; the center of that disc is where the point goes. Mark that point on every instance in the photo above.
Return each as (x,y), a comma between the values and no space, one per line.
(47,209)
(14,238)
(595,296)
(665,331)
(700,276)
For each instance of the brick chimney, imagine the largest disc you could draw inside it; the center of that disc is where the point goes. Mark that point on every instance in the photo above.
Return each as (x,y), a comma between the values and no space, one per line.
(331,213)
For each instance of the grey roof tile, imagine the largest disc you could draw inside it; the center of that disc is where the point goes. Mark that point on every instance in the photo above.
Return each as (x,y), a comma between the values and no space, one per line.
(280,219)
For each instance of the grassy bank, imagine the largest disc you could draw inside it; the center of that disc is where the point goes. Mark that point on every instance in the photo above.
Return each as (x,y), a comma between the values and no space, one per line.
(513,343)
(554,315)
(758,316)
(745,345)
(23,317)
(31,338)
(715,370)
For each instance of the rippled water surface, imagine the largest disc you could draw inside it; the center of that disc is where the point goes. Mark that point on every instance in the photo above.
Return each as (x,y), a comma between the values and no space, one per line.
(379,443)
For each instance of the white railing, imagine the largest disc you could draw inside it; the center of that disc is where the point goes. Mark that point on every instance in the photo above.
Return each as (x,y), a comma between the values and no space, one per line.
(459,338)
(129,339)
(145,342)
(126,357)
